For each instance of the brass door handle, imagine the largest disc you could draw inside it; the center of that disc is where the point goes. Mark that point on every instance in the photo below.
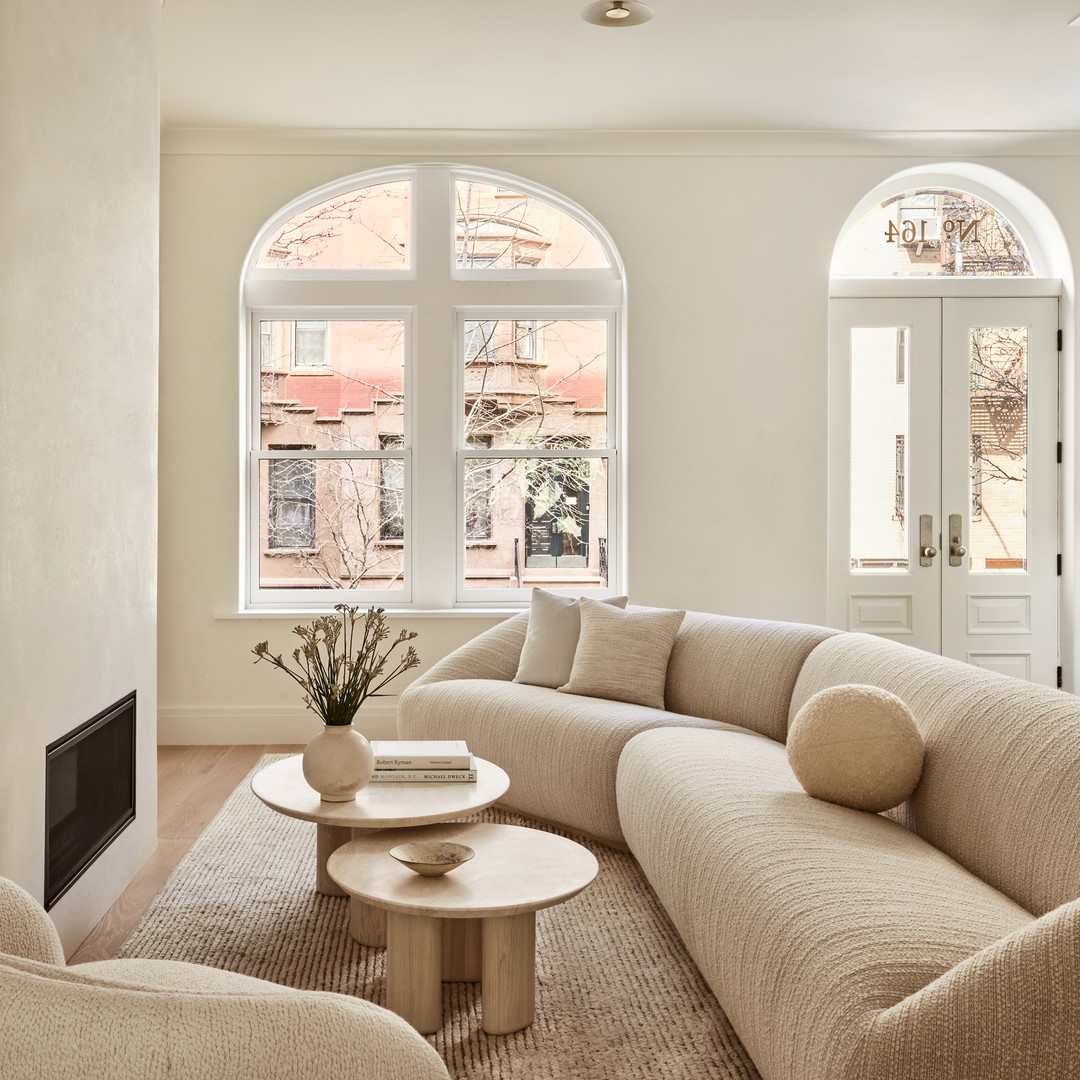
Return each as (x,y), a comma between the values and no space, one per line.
(957,551)
(927,551)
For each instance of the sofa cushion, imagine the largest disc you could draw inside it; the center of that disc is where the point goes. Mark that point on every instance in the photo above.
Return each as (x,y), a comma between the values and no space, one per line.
(999,790)
(739,671)
(547,656)
(623,655)
(857,746)
(560,750)
(806,918)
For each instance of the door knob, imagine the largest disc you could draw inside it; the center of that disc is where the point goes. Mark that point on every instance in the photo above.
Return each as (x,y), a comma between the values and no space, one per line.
(929,552)
(958,551)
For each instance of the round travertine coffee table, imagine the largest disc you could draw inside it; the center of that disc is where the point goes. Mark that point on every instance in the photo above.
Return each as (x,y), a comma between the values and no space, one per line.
(283,788)
(477,921)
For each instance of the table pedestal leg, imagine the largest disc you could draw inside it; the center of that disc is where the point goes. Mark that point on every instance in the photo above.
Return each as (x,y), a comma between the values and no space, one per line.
(328,838)
(367,923)
(508,991)
(461,950)
(413,969)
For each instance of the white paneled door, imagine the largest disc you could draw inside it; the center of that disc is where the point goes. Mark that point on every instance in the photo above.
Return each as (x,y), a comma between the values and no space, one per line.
(943,485)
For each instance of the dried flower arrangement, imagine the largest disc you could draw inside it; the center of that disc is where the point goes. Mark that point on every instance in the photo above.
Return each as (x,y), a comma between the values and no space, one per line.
(336,671)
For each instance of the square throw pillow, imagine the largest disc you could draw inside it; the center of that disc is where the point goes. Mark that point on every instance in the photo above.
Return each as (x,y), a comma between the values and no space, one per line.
(552,637)
(623,654)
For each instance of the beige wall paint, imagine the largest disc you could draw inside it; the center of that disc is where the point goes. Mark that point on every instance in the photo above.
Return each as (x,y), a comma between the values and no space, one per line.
(78,350)
(728,286)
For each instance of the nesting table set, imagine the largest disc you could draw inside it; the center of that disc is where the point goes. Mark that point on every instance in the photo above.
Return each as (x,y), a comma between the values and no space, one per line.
(477,922)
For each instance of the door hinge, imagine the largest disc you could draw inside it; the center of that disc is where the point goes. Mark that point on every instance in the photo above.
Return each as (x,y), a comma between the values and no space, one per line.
(1060,680)
(1059,341)
(1059,453)
(1059,564)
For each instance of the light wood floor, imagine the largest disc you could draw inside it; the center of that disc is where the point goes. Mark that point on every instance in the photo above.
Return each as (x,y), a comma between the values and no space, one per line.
(193,783)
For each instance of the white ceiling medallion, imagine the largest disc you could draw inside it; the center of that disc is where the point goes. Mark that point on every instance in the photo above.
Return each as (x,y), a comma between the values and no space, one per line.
(617,13)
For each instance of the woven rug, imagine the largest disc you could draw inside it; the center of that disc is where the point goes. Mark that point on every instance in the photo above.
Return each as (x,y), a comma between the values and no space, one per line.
(617,994)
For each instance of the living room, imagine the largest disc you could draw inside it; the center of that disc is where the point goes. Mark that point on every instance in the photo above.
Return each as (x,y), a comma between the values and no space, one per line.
(723,154)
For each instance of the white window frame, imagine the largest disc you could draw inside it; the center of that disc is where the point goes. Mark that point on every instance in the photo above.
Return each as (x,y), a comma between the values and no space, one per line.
(434,298)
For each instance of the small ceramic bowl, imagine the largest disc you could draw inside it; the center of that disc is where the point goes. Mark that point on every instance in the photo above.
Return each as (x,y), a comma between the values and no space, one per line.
(432,858)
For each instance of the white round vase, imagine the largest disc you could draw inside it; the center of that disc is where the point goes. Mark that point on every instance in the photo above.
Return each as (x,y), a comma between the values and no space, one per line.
(338,762)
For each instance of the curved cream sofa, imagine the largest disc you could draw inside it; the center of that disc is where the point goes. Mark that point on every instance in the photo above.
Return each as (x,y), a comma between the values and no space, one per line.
(938,942)
(148,1019)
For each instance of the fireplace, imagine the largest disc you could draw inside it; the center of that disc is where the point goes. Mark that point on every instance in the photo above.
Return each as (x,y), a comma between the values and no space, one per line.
(89,794)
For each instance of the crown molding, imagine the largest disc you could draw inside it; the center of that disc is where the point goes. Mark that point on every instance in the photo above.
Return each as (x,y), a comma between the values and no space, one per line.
(439,144)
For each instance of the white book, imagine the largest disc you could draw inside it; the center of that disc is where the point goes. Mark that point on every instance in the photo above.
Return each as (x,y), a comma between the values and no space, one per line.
(423,776)
(403,754)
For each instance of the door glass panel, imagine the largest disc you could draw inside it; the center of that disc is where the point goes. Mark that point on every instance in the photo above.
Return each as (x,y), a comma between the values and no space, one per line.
(998,410)
(536,382)
(365,229)
(535,521)
(879,448)
(331,385)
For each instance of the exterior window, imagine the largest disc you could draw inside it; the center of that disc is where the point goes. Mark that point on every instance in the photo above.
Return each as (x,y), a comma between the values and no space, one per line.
(310,344)
(392,491)
(291,515)
(351,486)
(479,478)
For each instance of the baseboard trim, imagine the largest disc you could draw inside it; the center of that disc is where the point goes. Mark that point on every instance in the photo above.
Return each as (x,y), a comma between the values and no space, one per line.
(244,725)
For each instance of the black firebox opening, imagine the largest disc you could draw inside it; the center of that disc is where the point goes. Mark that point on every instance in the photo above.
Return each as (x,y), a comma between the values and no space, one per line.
(89,794)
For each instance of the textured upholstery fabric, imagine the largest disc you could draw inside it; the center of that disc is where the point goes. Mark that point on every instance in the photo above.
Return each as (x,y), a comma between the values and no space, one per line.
(623,655)
(857,746)
(551,641)
(809,920)
(1000,790)
(122,1019)
(560,750)
(25,929)
(739,671)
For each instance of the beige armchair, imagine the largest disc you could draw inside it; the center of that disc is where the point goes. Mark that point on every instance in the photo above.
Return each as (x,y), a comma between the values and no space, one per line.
(143,1019)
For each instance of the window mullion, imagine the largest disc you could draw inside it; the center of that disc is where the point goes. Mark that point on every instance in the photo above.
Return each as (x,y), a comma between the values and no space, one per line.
(433,489)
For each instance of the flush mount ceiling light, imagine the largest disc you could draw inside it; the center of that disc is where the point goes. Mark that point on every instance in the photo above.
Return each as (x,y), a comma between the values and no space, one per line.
(617,13)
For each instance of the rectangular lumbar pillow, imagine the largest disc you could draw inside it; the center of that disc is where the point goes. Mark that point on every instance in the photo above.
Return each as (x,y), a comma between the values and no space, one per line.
(552,637)
(623,654)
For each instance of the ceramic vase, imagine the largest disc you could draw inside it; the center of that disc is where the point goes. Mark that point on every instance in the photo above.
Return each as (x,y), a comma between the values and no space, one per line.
(338,762)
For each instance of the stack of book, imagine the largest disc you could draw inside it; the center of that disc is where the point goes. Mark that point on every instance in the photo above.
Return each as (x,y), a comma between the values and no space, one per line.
(401,762)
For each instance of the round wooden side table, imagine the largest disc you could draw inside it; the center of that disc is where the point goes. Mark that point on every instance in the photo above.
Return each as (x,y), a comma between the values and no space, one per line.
(477,921)
(282,787)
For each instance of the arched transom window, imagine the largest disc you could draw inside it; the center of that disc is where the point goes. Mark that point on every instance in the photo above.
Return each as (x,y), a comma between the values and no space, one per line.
(931,232)
(433,394)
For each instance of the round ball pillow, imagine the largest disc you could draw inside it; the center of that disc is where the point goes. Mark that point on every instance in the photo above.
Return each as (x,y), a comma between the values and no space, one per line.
(857,746)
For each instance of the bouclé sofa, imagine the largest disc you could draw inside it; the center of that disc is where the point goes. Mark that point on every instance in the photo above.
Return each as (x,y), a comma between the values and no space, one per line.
(938,941)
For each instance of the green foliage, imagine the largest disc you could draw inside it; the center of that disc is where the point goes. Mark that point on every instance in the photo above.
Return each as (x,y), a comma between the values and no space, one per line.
(337,671)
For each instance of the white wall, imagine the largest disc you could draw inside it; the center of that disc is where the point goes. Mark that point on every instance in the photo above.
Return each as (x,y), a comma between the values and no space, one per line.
(728,286)
(78,354)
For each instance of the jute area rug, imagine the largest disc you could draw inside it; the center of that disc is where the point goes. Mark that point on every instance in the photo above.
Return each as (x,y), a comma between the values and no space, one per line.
(617,994)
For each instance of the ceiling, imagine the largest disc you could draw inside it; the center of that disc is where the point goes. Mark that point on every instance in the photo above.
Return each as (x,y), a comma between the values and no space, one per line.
(838,65)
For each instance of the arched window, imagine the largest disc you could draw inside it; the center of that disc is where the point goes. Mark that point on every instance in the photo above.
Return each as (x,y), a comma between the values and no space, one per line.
(927,231)
(433,394)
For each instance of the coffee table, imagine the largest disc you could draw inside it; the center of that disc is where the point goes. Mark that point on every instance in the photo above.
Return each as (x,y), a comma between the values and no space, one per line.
(476,922)
(282,787)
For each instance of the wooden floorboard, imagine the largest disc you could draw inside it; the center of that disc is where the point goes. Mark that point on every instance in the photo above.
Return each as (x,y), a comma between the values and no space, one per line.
(193,784)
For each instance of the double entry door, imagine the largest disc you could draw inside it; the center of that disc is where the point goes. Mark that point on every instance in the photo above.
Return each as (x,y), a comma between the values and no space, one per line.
(943,477)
